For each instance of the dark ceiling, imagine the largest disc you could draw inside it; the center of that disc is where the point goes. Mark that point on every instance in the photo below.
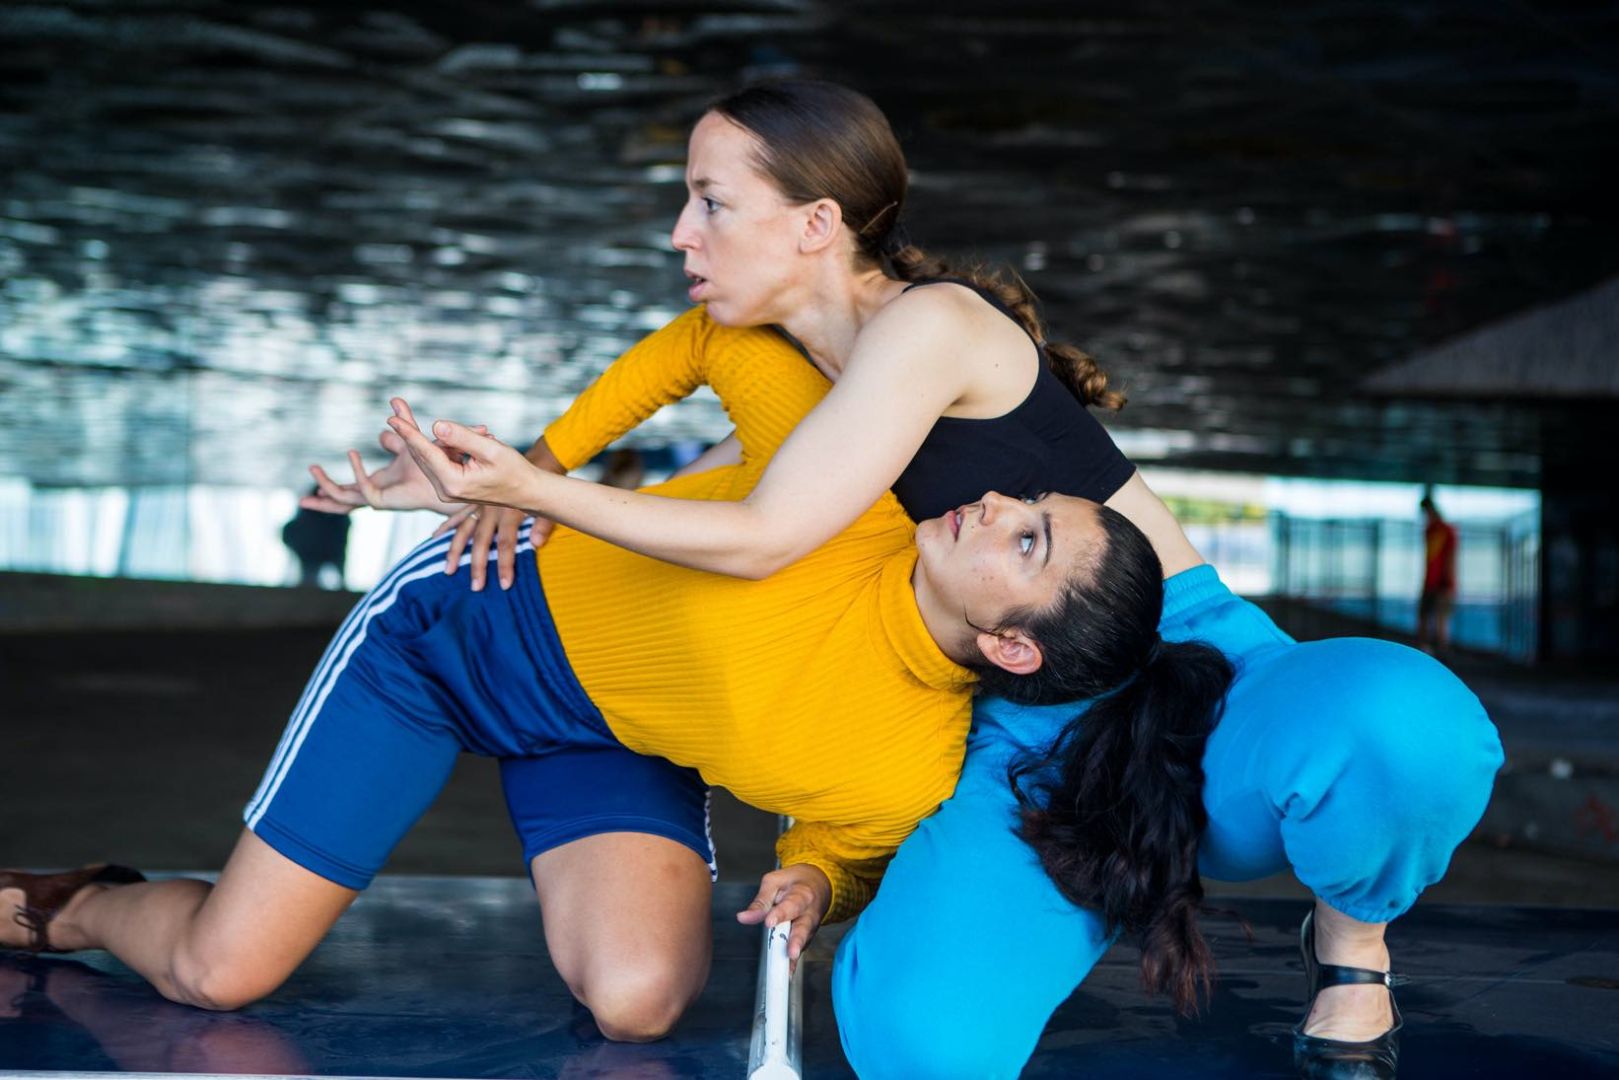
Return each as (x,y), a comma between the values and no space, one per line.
(228,231)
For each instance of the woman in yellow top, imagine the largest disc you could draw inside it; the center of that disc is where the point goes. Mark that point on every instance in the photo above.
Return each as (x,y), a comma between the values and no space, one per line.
(599,654)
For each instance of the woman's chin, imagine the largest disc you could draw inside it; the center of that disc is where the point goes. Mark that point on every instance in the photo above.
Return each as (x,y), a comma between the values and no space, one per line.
(720,313)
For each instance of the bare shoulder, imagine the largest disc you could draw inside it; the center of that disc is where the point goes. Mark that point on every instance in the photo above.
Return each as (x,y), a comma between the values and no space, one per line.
(957,329)
(944,304)
(944,316)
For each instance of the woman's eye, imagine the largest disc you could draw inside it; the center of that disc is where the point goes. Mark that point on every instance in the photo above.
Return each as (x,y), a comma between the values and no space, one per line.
(709,205)
(1031,499)
(1025,542)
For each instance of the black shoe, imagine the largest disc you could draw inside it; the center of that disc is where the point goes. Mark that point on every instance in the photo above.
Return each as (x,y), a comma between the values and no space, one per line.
(1333,1059)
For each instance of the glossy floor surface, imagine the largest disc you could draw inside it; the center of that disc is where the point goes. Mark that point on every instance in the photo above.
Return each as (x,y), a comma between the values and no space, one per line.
(449,977)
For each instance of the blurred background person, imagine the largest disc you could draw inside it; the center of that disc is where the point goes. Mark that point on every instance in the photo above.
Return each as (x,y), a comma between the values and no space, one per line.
(1438,598)
(320,541)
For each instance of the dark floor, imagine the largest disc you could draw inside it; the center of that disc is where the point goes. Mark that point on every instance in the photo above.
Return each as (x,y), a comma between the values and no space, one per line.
(407,986)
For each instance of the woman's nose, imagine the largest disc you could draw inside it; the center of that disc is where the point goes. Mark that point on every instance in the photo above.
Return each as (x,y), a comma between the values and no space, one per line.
(994,502)
(682,236)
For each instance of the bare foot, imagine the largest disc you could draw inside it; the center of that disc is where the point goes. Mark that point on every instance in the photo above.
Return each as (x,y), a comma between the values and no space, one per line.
(61,933)
(13,935)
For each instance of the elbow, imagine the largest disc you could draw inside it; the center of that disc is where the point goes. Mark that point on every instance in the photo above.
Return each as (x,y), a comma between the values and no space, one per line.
(760,566)
(763,558)
(752,569)
(755,541)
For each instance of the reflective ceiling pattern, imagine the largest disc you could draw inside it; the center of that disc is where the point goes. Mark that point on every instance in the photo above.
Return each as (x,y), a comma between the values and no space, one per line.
(229,230)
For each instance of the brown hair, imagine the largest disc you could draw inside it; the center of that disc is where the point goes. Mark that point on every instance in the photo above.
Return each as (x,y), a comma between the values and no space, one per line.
(819,140)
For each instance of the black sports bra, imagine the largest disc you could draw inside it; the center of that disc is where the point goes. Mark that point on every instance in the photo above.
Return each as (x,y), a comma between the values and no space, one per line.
(1050,442)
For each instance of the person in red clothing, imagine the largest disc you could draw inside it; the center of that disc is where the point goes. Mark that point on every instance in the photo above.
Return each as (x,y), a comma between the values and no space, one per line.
(1438,580)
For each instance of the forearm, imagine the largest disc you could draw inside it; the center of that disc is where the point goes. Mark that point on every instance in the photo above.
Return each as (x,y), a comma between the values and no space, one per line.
(721,537)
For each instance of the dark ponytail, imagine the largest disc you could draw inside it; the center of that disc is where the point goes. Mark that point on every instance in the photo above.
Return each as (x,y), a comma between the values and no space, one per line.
(1114,807)
(819,140)
(1115,811)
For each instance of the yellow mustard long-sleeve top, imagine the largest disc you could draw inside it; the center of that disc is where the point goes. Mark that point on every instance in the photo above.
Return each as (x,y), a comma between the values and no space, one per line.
(817,692)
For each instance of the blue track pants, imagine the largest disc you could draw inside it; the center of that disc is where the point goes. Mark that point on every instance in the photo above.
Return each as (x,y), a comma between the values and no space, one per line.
(1358,764)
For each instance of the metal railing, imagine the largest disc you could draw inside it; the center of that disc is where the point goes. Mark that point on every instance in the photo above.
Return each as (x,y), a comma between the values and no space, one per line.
(1372,569)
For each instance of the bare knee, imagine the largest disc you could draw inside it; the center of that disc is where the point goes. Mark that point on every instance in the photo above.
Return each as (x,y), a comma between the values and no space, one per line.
(640,1003)
(215,983)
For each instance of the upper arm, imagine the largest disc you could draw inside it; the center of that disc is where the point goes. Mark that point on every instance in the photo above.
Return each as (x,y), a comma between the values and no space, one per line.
(728,451)
(910,364)
(664,366)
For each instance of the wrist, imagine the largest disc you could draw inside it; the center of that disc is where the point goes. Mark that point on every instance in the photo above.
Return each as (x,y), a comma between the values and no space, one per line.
(540,456)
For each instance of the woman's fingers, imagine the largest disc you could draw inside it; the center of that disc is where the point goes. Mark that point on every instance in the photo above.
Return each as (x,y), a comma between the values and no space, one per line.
(391,442)
(763,901)
(488,520)
(362,481)
(332,490)
(541,532)
(463,534)
(402,409)
(795,904)
(454,520)
(462,439)
(779,899)
(508,522)
(804,927)
(427,454)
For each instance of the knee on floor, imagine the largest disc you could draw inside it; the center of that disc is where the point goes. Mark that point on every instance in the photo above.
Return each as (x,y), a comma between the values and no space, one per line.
(214,983)
(639,1004)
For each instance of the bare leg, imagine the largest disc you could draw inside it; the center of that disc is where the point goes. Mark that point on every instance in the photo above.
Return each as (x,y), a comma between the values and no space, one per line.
(1353,1013)
(216,947)
(627,923)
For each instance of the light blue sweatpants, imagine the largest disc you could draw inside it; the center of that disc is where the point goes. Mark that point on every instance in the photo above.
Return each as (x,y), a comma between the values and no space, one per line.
(1359,764)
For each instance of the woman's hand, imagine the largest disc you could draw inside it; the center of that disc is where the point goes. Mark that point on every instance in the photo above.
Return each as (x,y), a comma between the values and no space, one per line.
(481,525)
(465,464)
(399,485)
(800,893)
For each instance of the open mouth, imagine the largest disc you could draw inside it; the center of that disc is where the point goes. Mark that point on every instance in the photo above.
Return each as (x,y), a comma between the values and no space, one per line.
(697,286)
(953,518)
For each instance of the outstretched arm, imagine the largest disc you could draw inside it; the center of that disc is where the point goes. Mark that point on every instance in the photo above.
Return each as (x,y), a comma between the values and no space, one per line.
(911,363)
(466,466)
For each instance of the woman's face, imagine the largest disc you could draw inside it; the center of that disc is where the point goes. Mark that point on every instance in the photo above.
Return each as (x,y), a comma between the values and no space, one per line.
(1000,554)
(739,236)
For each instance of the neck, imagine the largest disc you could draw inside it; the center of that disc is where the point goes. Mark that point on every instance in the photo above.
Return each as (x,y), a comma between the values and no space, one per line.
(947,627)
(828,319)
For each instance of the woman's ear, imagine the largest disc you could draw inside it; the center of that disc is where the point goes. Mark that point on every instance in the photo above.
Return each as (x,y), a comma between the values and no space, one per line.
(1011,650)
(822,224)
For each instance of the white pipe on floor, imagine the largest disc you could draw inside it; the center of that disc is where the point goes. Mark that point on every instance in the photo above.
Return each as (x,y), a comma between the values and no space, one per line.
(776,1050)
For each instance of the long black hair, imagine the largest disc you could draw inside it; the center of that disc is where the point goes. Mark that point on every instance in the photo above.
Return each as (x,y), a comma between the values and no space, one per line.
(1114,806)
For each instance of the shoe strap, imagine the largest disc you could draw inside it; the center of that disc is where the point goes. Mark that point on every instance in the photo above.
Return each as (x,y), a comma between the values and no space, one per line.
(1338,975)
